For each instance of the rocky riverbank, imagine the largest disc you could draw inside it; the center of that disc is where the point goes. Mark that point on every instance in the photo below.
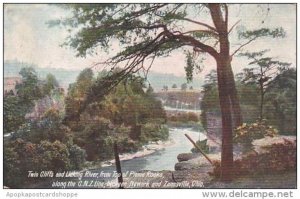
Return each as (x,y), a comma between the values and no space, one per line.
(146,150)
(192,171)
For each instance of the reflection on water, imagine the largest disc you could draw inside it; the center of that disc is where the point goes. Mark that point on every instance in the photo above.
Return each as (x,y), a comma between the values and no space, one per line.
(164,159)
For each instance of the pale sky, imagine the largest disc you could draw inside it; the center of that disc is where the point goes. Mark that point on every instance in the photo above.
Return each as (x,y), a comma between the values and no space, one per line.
(27,38)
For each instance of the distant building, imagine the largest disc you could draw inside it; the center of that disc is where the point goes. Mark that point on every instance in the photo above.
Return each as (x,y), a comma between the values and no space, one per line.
(10,84)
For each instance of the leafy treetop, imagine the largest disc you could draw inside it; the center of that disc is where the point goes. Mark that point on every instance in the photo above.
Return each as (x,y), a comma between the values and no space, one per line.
(146,31)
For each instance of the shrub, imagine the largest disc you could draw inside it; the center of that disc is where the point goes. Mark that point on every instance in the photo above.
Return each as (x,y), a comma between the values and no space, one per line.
(164,132)
(21,156)
(154,132)
(203,146)
(126,144)
(193,117)
(246,133)
(49,128)
(12,172)
(279,157)
(184,117)
(77,157)
(53,156)
(97,140)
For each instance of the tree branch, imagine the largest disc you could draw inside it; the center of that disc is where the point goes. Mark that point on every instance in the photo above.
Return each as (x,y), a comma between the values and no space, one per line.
(243,45)
(201,24)
(226,15)
(195,43)
(212,33)
(144,11)
(233,26)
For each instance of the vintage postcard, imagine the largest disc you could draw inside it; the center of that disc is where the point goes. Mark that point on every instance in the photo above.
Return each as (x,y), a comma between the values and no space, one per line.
(150,96)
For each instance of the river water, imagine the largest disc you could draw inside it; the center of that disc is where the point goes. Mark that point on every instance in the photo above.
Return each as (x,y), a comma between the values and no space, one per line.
(164,159)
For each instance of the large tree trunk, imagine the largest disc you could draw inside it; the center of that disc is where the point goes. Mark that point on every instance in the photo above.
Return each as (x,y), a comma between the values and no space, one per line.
(225,104)
(229,102)
(236,109)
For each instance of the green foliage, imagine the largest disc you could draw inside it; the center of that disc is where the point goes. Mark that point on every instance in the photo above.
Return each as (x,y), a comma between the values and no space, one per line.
(192,64)
(125,145)
(154,132)
(264,71)
(50,84)
(263,32)
(53,156)
(76,95)
(203,146)
(77,157)
(21,156)
(28,91)
(150,91)
(135,106)
(184,86)
(165,88)
(83,82)
(14,113)
(99,24)
(246,133)
(278,158)
(265,68)
(210,100)
(281,102)
(127,104)
(48,128)
(189,68)
(145,30)
(248,95)
(40,145)
(97,140)
(12,175)
(36,145)
(183,117)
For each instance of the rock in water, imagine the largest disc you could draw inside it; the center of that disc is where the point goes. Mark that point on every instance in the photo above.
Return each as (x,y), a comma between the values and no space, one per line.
(187,156)
(196,163)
